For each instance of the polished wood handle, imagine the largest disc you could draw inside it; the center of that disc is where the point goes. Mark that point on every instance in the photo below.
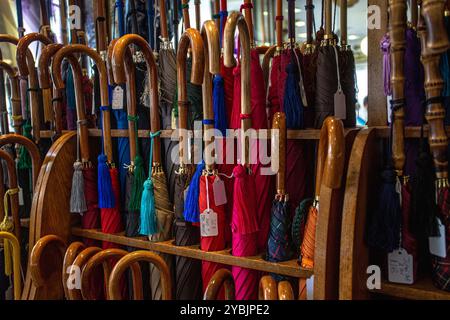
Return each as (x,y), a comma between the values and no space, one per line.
(216,11)
(40,252)
(265,65)
(16,262)
(397,29)
(15,96)
(119,70)
(104,94)
(140,256)
(237,20)
(328,19)
(185,10)
(279,127)
(330,154)
(279,24)
(163,21)
(105,258)
(267,289)
(249,18)
(12,184)
(433,13)
(101,24)
(285,291)
(22,50)
(221,278)
(210,35)
(72,252)
(309,21)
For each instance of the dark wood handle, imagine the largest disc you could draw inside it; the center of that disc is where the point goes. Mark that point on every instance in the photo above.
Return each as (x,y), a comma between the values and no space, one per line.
(222,278)
(267,289)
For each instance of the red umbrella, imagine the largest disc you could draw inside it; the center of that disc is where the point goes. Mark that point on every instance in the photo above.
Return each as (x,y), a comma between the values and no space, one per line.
(244,222)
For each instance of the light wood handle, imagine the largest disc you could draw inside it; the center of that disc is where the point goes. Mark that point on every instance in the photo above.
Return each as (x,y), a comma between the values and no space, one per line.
(12,184)
(15,96)
(330,154)
(249,18)
(118,69)
(22,50)
(285,291)
(222,278)
(69,257)
(140,256)
(185,10)
(267,289)
(237,20)
(79,262)
(211,42)
(16,262)
(279,125)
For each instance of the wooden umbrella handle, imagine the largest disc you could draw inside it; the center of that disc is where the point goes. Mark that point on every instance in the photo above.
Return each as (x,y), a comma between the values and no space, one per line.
(185,10)
(118,67)
(414,14)
(72,252)
(237,20)
(285,291)
(12,185)
(435,112)
(16,262)
(163,21)
(197,14)
(37,264)
(139,256)
(433,14)
(15,96)
(279,24)
(105,258)
(104,94)
(265,65)
(79,262)
(210,35)
(279,124)
(216,10)
(192,39)
(4,121)
(328,20)
(309,7)
(343,22)
(247,8)
(397,29)
(22,50)
(267,289)
(221,278)
(330,154)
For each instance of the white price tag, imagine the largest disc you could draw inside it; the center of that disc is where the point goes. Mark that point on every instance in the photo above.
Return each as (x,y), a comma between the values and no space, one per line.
(208,224)
(220,195)
(400,265)
(117,98)
(21,201)
(438,245)
(340,107)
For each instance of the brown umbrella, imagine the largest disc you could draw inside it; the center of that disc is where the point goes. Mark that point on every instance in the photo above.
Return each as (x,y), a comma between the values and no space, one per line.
(188,271)
(164,215)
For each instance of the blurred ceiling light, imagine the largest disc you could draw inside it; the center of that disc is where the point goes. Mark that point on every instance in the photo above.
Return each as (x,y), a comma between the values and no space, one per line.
(265,13)
(300,23)
(302,35)
(353,37)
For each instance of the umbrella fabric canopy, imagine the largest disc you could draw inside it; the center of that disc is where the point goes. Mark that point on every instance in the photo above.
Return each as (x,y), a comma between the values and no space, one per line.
(277,82)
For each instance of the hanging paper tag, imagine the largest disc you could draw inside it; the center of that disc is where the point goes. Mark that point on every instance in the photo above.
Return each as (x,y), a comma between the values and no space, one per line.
(208,224)
(173,121)
(117,98)
(185,193)
(310,288)
(220,196)
(400,265)
(21,201)
(340,108)
(437,245)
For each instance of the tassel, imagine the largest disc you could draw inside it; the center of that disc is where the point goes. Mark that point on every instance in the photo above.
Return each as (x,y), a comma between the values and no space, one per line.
(105,191)
(384,230)
(149,225)
(24,156)
(292,99)
(77,197)
(220,117)
(137,184)
(385,47)
(191,211)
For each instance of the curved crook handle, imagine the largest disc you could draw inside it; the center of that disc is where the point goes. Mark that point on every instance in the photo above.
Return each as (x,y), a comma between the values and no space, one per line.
(109,54)
(123,264)
(28,54)
(193,39)
(14,197)
(211,42)
(221,278)
(22,49)
(104,94)
(248,6)
(37,263)
(15,96)
(279,124)
(47,54)
(266,63)
(285,291)
(237,20)
(119,67)
(16,262)
(79,263)
(267,288)
(72,252)
(31,148)
(330,155)
(104,257)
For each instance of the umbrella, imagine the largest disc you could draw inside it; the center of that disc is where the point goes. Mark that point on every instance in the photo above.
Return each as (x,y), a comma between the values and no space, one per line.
(15,96)
(4,122)
(329,168)
(244,222)
(108,184)
(155,215)
(432,48)
(279,246)
(168,82)
(46,12)
(151,23)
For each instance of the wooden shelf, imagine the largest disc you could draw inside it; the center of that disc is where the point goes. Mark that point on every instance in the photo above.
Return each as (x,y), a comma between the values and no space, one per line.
(423,289)
(288,268)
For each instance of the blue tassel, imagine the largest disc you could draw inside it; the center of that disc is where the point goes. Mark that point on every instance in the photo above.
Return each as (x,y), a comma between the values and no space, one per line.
(220,117)
(191,209)
(105,191)
(292,99)
(70,89)
(149,225)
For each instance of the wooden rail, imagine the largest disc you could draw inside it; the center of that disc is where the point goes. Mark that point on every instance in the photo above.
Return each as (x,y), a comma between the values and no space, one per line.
(423,289)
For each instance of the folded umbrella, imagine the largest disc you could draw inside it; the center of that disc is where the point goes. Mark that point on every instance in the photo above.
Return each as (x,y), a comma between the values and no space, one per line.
(4,122)
(188,271)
